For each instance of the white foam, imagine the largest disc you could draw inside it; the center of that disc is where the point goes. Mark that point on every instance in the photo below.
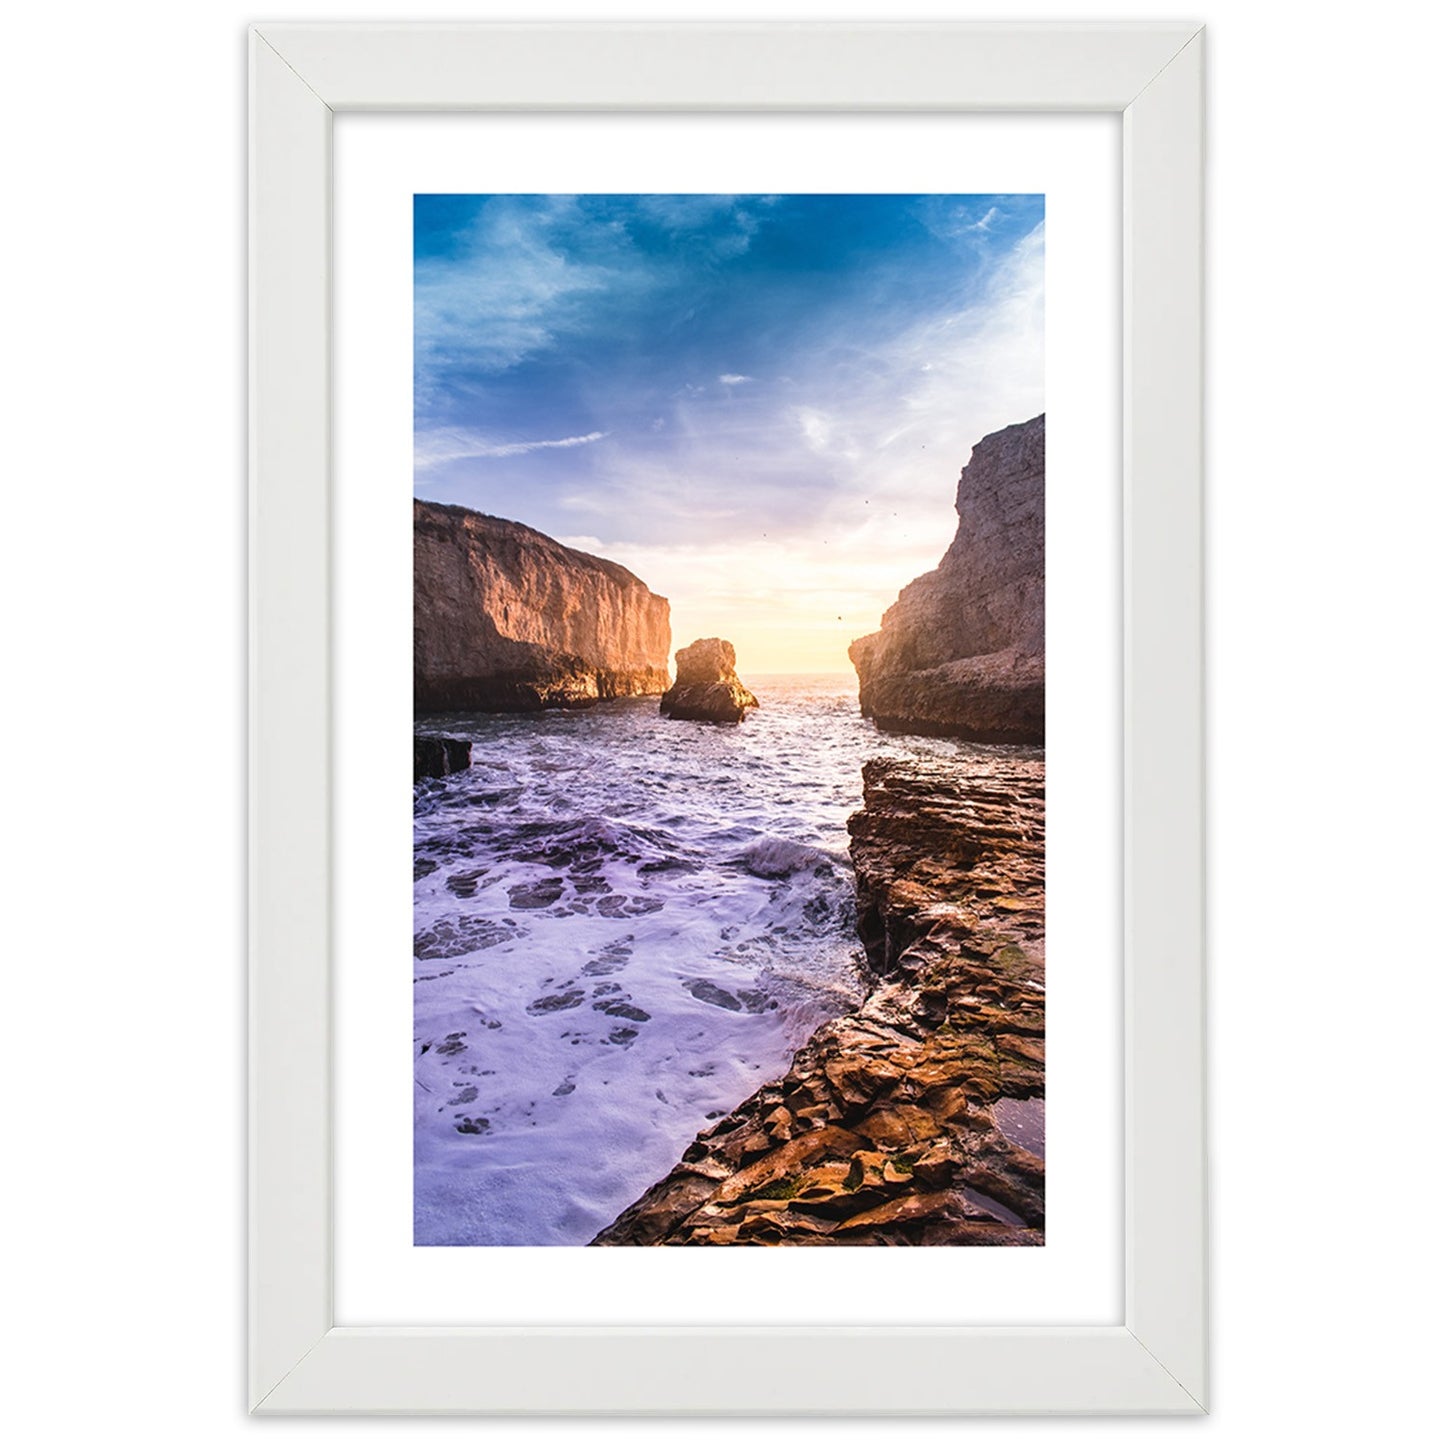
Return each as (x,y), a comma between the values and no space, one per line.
(629,924)
(778,857)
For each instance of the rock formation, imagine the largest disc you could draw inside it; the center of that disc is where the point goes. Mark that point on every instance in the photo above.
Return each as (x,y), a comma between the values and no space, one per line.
(508,620)
(707,687)
(433,757)
(961,653)
(918,1117)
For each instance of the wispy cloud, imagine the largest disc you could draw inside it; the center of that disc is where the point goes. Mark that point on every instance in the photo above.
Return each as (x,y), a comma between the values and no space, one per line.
(510,288)
(435,448)
(784,424)
(717,227)
(971,222)
(815,427)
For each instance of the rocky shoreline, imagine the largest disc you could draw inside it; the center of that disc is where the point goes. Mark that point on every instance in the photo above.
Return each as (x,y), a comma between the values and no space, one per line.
(918,1117)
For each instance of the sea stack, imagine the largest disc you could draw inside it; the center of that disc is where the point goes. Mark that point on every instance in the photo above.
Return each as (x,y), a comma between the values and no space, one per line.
(707,687)
(961,653)
(506,619)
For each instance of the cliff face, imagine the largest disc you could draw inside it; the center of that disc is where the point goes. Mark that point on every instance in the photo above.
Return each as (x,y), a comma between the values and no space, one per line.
(919,1117)
(507,620)
(961,653)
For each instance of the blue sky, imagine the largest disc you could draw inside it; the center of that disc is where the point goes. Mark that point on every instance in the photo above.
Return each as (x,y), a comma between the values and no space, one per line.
(758,403)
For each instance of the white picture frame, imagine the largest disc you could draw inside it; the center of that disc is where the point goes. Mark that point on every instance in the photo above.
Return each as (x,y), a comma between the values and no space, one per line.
(1155,1360)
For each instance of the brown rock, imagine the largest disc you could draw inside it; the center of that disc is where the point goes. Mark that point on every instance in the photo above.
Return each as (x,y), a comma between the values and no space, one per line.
(787,1158)
(1026,1165)
(951,1105)
(898,1127)
(961,653)
(434,757)
(1021,1196)
(816,1114)
(709,659)
(1030,1049)
(779,1125)
(859,1080)
(506,619)
(936,1167)
(908,1209)
(823,1182)
(977,1232)
(796,1224)
(707,687)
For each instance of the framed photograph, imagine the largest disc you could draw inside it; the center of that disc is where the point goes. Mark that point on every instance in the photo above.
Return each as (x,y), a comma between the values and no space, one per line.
(747,378)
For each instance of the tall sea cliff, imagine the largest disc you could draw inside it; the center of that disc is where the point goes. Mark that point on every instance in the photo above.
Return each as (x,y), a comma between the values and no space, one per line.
(961,653)
(505,619)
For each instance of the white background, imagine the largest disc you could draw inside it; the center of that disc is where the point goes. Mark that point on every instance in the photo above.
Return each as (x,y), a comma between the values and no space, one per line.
(122,582)
(380,162)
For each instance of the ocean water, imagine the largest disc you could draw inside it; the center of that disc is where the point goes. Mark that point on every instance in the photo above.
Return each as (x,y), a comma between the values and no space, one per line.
(624,925)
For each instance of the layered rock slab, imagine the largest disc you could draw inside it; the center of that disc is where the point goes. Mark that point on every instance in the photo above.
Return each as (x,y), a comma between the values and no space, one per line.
(506,619)
(961,653)
(708,688)
(916,1119)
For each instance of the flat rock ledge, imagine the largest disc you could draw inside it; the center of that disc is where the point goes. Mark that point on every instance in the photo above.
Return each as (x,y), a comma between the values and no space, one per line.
(436,757)
(918,1117)
(708,688)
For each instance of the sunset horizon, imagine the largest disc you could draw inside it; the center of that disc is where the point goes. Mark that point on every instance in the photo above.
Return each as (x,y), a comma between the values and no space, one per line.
(759,405)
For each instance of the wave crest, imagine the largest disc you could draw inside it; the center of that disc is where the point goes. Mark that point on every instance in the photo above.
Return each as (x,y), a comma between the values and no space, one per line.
(772,857)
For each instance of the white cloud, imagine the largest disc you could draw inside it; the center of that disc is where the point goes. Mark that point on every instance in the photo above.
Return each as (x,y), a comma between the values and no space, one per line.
(487,318)
(690,215)
(829,495)
(815,428)
(434,448)
(731,378)
(787,515)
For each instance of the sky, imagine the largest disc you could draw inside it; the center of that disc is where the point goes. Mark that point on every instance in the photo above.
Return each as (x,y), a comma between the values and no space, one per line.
(758,404)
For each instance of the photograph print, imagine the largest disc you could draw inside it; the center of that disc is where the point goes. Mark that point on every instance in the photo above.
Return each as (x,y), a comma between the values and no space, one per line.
(728,750)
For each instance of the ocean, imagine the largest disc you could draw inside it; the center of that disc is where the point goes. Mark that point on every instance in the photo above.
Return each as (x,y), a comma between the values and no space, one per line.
(624,925)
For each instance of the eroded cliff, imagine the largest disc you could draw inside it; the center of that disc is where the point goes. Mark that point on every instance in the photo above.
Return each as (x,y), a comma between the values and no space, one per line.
(506,619)
(961,653)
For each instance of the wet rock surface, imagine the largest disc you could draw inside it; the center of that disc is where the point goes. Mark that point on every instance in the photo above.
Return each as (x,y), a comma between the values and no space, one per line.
(961,653)
(506,619)
(916,1119)
(708,688)
(434,757)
